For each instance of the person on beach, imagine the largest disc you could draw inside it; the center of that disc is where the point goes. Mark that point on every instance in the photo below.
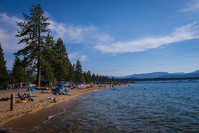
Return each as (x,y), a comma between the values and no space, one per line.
(24,96)
(30,99)
(21,85)
(19,95)
(8,86)
(55,100)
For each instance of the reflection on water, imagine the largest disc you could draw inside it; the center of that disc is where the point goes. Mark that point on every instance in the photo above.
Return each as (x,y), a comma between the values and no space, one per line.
(162,107)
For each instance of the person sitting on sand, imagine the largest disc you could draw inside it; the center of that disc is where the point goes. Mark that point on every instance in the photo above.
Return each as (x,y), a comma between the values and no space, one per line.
(4,99)
(30,99)
(19,95)
(55,100)
(22,97)
(26,95)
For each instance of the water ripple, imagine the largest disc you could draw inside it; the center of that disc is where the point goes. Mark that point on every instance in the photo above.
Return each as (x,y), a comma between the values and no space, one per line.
(162,107)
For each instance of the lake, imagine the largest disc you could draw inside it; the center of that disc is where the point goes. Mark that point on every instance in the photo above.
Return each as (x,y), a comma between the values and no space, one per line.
(163,106)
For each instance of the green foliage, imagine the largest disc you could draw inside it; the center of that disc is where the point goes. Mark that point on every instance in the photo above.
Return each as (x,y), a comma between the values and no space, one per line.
(71,72)
(42,55)
(32,32)
(3,71)
(93,78)
(48,58)
(78,72)
(19,72)
(61,64)
(87,77)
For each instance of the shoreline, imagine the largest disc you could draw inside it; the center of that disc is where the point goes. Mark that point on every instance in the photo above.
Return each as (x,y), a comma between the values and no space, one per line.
(28,119)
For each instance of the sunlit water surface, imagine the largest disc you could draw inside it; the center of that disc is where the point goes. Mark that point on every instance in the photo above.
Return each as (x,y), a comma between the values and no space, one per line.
(161,107)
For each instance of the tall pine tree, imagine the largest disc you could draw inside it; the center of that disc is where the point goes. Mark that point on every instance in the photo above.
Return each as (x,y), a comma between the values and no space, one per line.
(33,31)
(49,57)
(19,73)
(78,72)
(61,64)
(71,72)
(3,71)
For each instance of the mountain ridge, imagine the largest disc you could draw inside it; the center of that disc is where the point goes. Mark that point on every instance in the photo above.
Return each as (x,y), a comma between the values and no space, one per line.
(162,75)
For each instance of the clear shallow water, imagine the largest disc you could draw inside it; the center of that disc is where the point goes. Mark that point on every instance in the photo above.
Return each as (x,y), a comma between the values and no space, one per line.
(162,107)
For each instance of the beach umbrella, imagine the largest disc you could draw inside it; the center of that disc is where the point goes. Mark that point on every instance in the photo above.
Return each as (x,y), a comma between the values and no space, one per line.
(60,84)
(31,89)
(30,85)
(78,83)
(66,84)
(58,89)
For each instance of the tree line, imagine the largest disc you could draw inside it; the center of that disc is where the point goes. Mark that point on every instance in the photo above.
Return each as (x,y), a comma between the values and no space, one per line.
(43,58)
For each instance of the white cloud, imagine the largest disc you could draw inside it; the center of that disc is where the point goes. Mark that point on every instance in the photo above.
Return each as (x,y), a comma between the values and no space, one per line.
(7,41)
(72,56)
(8,30)
(92,35)
(69,33)
(187,32)
(77,56)
(83,58)
(9,19)
(78,34)
(192,6)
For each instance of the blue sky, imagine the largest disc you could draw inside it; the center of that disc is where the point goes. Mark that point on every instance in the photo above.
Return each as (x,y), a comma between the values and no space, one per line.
(115,37)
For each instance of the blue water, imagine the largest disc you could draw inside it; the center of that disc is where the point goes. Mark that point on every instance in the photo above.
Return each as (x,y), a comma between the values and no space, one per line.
(161,107)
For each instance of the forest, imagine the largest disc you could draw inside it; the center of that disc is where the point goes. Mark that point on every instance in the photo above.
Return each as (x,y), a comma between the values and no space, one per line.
(43,59)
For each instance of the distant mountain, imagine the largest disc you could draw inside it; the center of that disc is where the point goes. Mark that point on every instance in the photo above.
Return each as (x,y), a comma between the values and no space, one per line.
(183,75)
(112,77)
(147,75)
(9,71)
(163,75)
(197,71)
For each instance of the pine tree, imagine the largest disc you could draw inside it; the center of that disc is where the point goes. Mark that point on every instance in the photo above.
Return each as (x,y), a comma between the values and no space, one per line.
(86,78)
(71,74)
(100,78)
(93,77)
(89,76)
(113,79)
(19,73)
(62,62)
(97,78)
(49,57)
(78,72)
(32,32)
(3,71)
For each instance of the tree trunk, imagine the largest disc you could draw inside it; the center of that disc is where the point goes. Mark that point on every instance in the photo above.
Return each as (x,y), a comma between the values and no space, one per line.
(39,59)
(39,73)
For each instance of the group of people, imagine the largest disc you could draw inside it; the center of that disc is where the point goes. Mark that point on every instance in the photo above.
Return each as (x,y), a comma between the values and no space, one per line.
(14,86)
(25,96)
(61,91)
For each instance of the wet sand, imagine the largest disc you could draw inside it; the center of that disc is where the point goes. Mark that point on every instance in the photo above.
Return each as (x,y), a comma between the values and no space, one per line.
(27,115)
(28,121)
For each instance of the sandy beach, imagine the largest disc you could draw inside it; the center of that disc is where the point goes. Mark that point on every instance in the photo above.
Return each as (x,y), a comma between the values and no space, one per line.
(26,115)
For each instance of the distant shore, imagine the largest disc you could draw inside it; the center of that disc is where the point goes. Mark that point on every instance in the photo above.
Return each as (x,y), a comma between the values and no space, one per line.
(26,115)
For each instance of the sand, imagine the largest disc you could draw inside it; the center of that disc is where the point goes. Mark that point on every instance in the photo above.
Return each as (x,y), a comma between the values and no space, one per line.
(35,111)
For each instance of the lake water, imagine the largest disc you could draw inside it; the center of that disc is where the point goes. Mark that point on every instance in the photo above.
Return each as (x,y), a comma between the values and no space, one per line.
(161,107)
